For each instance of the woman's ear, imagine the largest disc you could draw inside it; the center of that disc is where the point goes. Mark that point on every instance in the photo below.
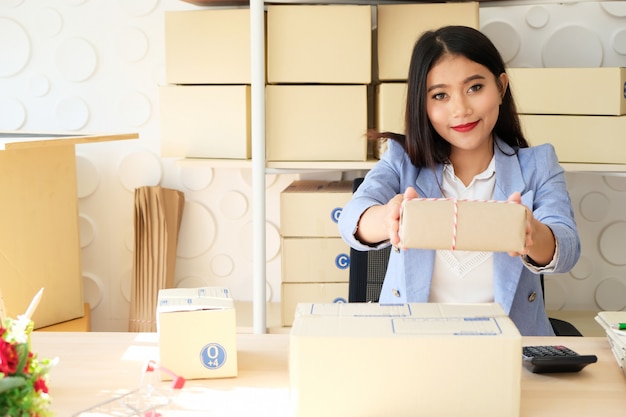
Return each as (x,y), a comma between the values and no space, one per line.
(504,83)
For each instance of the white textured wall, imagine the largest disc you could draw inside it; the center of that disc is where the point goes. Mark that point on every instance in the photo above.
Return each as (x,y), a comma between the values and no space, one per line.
(95,66)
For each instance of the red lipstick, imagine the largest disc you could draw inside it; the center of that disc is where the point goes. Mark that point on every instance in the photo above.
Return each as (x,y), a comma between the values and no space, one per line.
(465,127)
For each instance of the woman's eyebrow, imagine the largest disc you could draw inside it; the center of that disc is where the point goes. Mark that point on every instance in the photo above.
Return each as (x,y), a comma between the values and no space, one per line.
(465,81)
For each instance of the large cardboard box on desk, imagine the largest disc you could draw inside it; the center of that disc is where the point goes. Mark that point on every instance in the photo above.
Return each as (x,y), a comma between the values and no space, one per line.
(39,227)
(310,208)
(294,293)
(368,359)
(400,25)
(579,139)
(444,223)
(207,46)
(316,122)
(327,44)
(576,91)
(206,121)
(197,332)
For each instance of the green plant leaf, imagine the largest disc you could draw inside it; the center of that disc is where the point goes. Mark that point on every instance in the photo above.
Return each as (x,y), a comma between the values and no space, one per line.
(10,382)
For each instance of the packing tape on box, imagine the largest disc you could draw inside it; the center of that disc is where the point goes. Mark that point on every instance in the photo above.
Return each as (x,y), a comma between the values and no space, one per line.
(485,225)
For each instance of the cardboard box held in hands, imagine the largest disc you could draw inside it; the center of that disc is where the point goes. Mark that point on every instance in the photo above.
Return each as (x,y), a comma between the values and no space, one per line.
(472,225)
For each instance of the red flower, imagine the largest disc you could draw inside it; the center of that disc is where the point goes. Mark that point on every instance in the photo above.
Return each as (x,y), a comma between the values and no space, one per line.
(40,385)
(9,358)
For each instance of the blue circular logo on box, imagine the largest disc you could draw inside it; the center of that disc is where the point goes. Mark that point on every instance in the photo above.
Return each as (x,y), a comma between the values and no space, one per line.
(213,356)
(335,213)
(342,261)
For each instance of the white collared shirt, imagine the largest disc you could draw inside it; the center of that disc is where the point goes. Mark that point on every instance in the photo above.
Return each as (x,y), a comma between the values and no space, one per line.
(464,276)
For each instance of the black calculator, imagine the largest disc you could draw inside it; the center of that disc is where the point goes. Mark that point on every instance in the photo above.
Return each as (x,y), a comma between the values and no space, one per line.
(554,358)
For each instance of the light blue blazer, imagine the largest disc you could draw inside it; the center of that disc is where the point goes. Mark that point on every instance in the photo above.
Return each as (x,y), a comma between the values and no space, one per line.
(534,172)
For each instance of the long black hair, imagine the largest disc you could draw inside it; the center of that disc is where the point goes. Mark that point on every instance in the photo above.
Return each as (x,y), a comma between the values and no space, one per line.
(423,144)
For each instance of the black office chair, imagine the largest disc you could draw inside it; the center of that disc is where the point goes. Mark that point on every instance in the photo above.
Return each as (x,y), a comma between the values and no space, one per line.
(367,272)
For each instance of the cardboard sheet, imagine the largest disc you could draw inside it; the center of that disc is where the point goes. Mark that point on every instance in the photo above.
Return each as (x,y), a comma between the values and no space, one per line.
(158,214)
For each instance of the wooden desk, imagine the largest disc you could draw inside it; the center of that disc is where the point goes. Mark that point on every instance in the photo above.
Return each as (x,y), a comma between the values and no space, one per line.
(95,366)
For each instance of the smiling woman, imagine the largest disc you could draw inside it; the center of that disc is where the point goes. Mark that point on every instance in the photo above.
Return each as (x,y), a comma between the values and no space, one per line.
(463,140)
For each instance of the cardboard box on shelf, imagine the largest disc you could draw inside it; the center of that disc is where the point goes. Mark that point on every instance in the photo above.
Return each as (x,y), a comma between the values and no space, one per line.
(440,359)
(400,25)
(294,293)
(197,332)
(574,91)
(207,46)
(206,121)
(311,208)
(328,44)
(463,225)
(579,139)
(316,122)
(310,259)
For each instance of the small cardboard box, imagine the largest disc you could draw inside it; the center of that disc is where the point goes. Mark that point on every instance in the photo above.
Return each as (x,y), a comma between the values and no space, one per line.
(400,25)
(197,332)
(579,139)
(316,122)
(390,107)
(575,91)
(294,293)
(496,226)
(206,121)
(327,44)
(207,46)
(427,359)
(310,208)
(310,259)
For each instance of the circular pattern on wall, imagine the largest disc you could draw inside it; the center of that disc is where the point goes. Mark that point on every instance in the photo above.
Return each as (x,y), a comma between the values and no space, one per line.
(537,17)
(87,177)
(614,8)
(610,294)
(87,230)
(195,177)
(222,265)
(39,85)
(14,47)
(134,109)
(272,241)
(72,113)
(92,290)
(233,205)
(138,169)
(558,51)
(192,282)
(138,7)
(12,114)
(583,268)
(131,44)
(126,282)
(612,243)
(615,182)
(197,231)
(76,59)
(504,37)
(48,21)
(618,42)
(594,206)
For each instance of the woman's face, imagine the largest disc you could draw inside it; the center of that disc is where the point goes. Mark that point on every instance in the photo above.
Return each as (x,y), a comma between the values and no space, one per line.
(463,101)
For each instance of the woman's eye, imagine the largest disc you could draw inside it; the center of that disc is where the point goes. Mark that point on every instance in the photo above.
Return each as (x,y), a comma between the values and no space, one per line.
(439,96)
(475,88)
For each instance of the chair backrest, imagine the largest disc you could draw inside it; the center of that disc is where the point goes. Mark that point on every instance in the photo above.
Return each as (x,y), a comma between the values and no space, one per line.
(367,272)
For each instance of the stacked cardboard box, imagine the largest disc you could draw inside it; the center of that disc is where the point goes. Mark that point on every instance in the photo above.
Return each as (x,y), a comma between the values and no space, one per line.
(315,260)
(319,60)
(205,108)
(573,108)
